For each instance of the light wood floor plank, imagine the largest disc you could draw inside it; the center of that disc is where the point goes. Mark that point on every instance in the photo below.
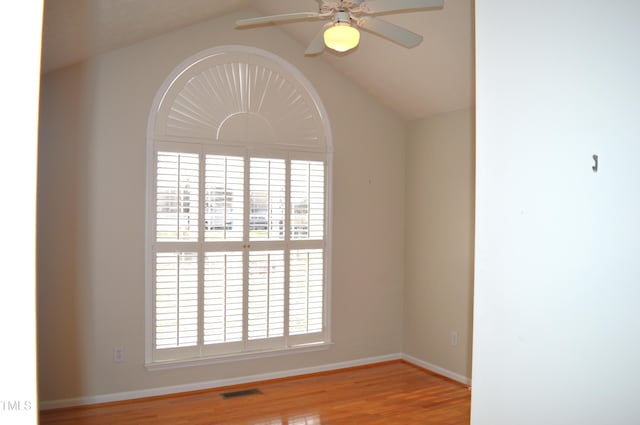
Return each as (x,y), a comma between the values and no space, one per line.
(389,393)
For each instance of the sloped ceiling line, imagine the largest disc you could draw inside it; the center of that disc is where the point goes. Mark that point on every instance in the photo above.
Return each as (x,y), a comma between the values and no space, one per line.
(434,77)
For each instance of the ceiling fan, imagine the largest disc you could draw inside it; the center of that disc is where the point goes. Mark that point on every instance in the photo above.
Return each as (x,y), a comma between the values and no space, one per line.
(346,16)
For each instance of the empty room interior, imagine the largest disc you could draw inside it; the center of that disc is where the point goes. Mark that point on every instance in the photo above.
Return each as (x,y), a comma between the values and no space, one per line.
(401,206)
(224,200)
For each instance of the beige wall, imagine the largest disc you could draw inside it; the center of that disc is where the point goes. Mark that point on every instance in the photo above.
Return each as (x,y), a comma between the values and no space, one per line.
(91,217)
(439,241)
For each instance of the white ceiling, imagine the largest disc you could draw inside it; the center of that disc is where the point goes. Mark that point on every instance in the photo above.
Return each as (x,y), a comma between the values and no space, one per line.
(436,76)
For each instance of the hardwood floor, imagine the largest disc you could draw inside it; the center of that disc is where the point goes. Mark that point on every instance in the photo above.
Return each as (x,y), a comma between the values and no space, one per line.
(388,393)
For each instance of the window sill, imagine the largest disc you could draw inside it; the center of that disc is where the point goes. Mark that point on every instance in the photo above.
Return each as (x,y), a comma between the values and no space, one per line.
(202,361)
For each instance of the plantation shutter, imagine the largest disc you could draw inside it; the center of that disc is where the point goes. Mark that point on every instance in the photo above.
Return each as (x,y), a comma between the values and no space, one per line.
(239,157)
(307,200)
(238,267)
(176,299)
(224,198)
(266,299)
(306,291)
(307,261)
(177,196)
(176,264)
(267,198)
(223,302)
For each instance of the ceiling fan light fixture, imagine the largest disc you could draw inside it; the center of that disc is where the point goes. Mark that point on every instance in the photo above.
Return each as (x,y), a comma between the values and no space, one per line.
(348,16)
(341,37)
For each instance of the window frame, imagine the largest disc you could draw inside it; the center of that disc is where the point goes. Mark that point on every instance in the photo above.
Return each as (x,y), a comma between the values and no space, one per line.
(248,150)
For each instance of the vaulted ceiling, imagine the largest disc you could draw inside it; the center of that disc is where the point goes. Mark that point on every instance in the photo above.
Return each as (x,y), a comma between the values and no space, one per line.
(436,76)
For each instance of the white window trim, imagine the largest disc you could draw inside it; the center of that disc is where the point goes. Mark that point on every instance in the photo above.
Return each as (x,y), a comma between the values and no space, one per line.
(327,155)
(203,361)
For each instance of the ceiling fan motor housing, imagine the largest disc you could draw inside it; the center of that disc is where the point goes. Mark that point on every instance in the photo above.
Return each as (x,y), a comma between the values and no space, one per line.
(342,17)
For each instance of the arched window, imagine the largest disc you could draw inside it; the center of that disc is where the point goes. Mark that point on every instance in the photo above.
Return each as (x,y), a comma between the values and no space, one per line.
(238,213)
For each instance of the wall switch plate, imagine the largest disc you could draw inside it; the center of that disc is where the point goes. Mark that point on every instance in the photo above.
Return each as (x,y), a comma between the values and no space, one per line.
(454,338)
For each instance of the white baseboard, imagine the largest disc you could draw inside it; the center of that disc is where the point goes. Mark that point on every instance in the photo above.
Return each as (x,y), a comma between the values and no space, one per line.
(437,369)
(151,392)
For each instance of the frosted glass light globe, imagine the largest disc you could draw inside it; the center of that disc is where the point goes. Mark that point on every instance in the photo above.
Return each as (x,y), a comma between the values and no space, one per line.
(341,37)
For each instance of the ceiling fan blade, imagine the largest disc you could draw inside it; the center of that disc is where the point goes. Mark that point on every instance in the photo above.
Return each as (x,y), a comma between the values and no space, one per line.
(390,31)
(317,44)
(276,18)
(383,6)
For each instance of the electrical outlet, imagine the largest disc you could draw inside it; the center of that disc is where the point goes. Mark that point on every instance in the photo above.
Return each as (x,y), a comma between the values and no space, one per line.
(118,354)
(454,338)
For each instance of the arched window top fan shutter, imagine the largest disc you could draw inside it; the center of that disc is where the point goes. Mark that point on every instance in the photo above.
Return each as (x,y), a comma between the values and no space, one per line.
(239,95)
